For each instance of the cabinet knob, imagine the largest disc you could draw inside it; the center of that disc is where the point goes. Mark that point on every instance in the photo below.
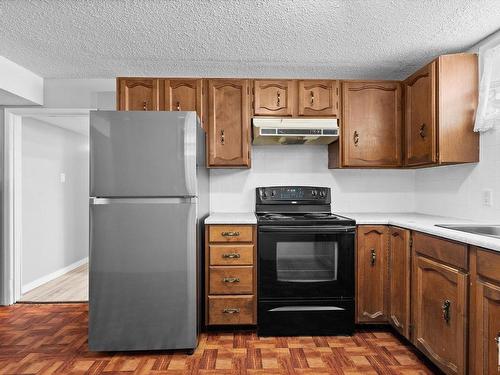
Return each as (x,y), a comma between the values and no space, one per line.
(144,105)
(231,311)
(422,131)
(497,339)
(222,137)
(231,256)
(373,256)
(446,310)
(178,107)
(231,279)
(312,98)
(355,138)
(278,97)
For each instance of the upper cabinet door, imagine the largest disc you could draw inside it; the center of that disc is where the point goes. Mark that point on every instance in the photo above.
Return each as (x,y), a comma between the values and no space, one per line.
(184,95)
(420,119)
(371,128)
(319,98)
(138,94)
(274,98)
(229,123)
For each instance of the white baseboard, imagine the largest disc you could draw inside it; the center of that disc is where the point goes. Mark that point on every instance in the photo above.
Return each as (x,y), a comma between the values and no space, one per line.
(51,276)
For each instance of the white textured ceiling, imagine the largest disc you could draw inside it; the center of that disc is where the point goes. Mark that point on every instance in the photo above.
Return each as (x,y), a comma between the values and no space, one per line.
(306,38)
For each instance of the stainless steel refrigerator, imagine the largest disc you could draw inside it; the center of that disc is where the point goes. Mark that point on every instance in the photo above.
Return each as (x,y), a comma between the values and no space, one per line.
(149,195)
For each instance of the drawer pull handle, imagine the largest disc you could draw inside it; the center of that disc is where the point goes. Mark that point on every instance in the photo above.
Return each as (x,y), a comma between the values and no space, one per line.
(231,256)
(230,234)
(231,311)
(231,279)
(446,310)
(373,256)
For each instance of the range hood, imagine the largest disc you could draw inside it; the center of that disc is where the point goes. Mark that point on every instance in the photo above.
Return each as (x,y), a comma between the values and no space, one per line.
(294,131)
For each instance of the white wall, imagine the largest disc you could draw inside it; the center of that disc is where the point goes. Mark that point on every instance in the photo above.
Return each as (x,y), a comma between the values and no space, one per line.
(233,190)
(80,93)
(18,85)
(54,215)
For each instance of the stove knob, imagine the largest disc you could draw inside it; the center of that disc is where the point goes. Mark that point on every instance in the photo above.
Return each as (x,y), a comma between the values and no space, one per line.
(264,194)
(273,193)
(322,194)
(314,193)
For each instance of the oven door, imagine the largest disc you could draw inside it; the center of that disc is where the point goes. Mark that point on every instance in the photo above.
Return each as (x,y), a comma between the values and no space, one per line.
(306,262)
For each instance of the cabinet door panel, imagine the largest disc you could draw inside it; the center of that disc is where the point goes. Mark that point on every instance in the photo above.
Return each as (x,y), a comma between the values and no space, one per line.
(274,98)
(439,310)
(487,328)
(184,95)
(420,119)
(399,280)
(318,98)
(371,135)
(371,260)
(138,94)
(229,123)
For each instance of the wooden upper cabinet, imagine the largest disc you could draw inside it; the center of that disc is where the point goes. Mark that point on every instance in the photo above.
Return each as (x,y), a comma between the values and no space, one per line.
(420,117)
(274,98)
(228,123)
(441,102)
(318,98)
(138,94)
(183,95)
(439,314)
(371,273)
(399,280)
(371,126)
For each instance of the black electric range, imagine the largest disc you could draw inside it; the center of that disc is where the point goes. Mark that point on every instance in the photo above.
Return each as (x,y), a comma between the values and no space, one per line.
(305,263)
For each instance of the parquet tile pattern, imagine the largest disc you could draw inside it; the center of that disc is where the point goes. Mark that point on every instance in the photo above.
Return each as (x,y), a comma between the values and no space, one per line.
(52,339)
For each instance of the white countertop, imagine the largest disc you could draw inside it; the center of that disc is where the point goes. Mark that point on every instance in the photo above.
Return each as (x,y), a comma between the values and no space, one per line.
(426,224)
(231,218)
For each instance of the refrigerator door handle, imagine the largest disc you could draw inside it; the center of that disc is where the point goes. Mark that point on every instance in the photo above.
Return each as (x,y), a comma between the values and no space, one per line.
(190,152)
(174,200)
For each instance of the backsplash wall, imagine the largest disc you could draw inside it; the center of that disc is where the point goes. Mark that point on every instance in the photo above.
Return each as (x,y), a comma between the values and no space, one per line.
(457,190)
(233,190)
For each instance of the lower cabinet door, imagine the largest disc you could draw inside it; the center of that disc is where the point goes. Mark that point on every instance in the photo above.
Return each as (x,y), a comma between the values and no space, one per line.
(487,329)
(399,280)
(439,313)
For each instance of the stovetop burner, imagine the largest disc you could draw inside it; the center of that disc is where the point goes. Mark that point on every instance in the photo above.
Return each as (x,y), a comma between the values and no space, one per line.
(320,215)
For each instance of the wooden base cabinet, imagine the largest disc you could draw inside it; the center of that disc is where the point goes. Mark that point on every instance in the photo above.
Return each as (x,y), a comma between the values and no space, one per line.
(399,280)
(439,311)
(485,314)
(230,275)
(371,273)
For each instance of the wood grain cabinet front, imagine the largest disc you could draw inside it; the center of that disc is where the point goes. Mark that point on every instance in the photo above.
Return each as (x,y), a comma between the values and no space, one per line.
(440,314)
(274,97)
(371,274)
(371,128)
(230,274)
(138,94)
(228,123)
(319,98)
(399,280)
(184,95)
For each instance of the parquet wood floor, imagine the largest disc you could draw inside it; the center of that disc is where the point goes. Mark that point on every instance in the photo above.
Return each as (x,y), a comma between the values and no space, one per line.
(52,339)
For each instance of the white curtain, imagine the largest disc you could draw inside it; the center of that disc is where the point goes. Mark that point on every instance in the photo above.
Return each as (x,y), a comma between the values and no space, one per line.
(488,111)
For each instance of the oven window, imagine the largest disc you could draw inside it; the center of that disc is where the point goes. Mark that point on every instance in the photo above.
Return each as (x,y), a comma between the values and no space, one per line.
(306,261)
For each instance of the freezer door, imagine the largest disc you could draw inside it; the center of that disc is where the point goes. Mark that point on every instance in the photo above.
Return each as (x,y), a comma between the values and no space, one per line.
(142,154)
(143,274)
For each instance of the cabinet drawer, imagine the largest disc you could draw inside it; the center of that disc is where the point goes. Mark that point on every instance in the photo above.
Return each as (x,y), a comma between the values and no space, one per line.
(223,255)
(231,280)
(452,253)
(231,233)
(231,310)
(488,265)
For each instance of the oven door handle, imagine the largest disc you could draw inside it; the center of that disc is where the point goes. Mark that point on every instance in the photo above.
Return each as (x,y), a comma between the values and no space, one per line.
(308,229)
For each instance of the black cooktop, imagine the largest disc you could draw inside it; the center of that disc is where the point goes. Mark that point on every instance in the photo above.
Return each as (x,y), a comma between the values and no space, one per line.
(313,218)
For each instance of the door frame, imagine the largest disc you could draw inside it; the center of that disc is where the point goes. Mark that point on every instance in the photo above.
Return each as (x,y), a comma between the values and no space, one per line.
(11,195)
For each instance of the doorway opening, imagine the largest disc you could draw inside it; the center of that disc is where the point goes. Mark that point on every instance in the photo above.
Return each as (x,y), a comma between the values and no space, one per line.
(47,155)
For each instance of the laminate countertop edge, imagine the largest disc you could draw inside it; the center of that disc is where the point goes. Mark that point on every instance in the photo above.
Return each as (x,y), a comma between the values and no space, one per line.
(231,218)
(427,224)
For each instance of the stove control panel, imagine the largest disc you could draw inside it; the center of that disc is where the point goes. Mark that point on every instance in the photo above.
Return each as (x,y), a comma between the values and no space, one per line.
(292,194)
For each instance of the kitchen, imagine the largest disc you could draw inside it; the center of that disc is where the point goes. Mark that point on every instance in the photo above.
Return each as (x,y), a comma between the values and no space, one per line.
(321,193)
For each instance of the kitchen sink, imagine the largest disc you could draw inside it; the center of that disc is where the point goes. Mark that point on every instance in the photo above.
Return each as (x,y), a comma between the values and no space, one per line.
(485,230)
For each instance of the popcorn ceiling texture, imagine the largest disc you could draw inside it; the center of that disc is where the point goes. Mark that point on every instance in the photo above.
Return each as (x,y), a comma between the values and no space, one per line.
(294,38)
